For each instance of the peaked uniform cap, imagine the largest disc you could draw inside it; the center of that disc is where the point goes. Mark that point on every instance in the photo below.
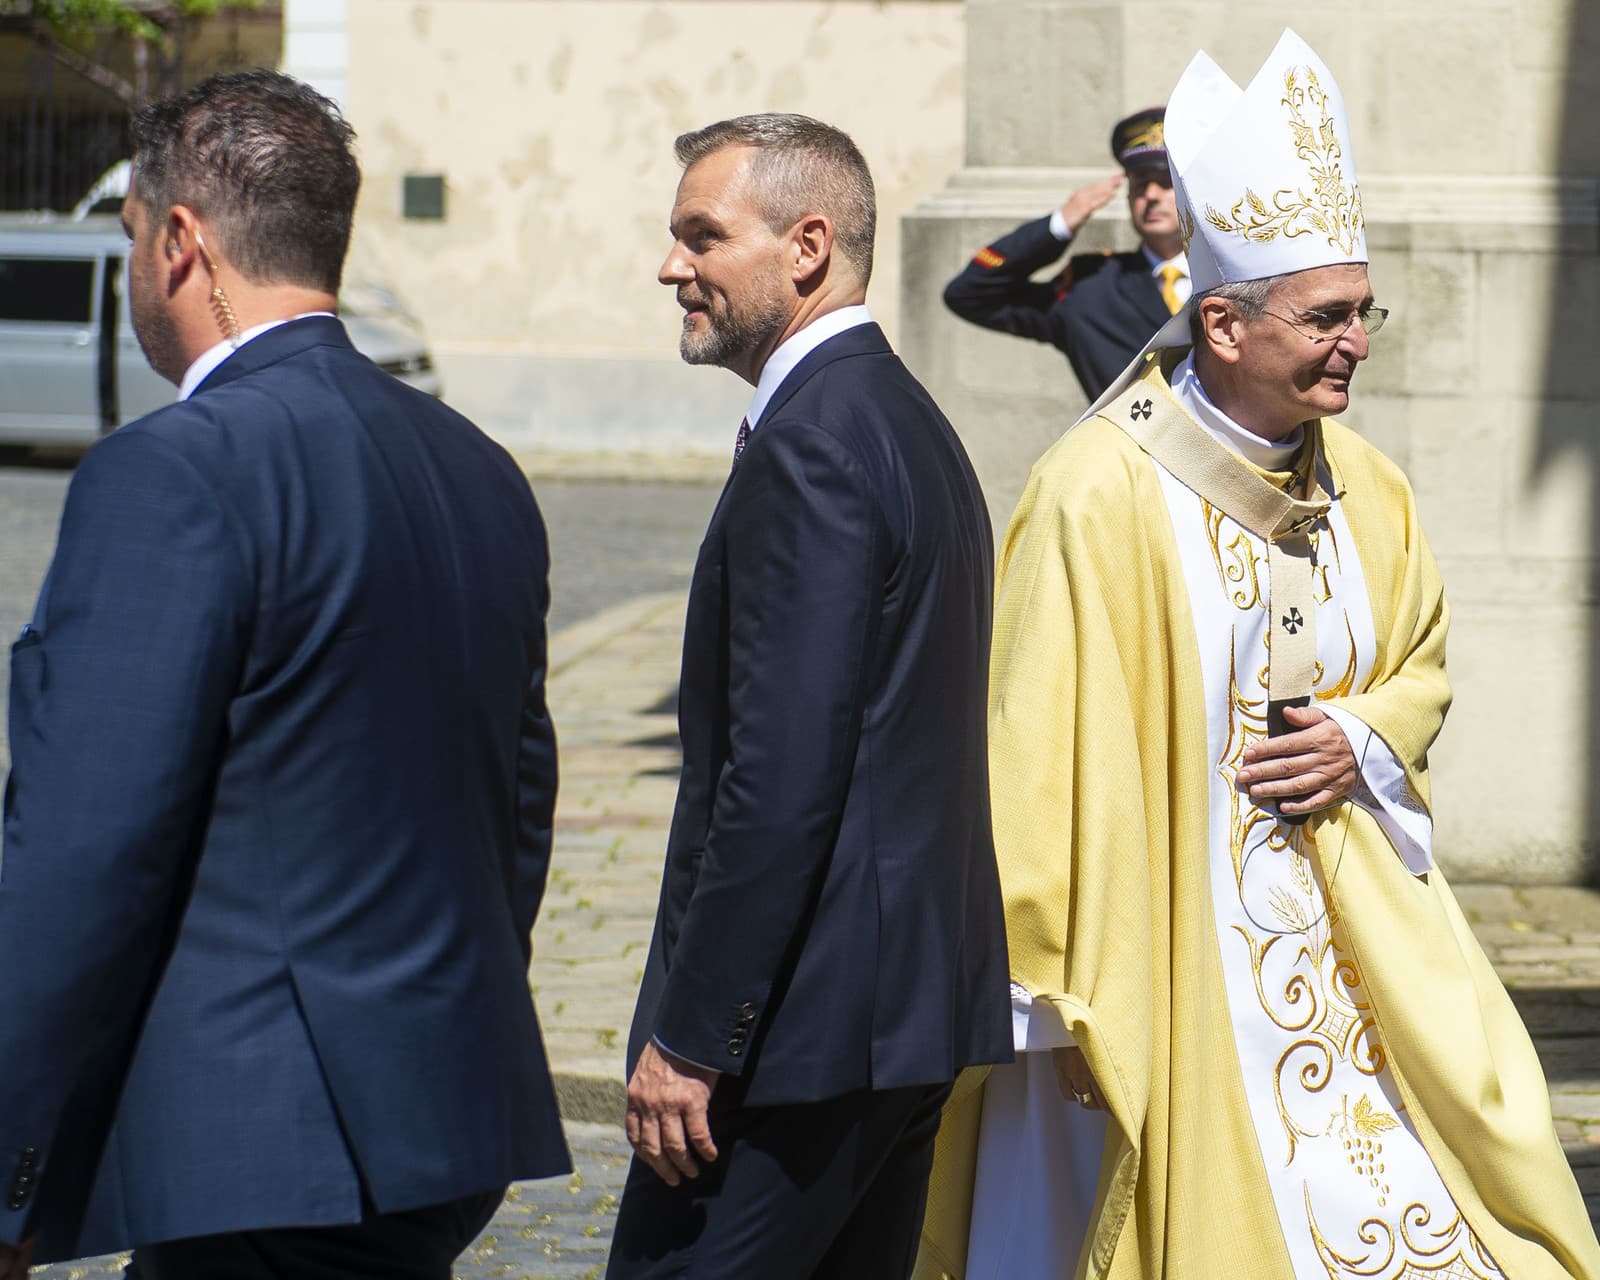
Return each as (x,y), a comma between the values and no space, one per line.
(1140,140)
(1264,178)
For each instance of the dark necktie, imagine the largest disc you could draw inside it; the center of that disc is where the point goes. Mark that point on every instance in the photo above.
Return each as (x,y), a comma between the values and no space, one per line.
(744,438)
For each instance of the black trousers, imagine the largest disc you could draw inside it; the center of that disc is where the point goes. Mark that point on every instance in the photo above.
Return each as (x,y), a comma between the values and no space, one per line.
(831,1190)
(419,1244)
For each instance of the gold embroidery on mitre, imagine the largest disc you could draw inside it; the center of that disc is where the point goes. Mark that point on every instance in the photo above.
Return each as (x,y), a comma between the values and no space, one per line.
(1332,208)
(1185,226)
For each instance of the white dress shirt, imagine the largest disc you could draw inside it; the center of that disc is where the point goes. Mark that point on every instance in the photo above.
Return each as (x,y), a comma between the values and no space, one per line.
(781,363)
(206,364)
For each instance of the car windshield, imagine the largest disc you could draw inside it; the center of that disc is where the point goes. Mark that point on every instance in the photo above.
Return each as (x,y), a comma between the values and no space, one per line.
(369,300)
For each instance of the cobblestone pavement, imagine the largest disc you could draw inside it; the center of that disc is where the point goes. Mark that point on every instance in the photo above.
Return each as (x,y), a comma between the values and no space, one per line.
(1545,945)
(612,684)
(556,1229)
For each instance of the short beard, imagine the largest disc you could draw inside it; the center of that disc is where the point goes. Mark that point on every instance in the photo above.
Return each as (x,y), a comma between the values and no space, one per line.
(731,335)
(158,339)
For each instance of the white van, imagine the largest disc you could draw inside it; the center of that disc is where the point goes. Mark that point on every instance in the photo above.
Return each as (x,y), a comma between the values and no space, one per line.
(70,365)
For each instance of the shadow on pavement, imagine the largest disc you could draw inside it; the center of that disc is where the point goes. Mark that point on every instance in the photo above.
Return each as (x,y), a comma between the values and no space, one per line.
(24,458)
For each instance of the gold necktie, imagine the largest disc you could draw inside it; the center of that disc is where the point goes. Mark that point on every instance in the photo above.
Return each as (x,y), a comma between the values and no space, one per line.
(1170,275)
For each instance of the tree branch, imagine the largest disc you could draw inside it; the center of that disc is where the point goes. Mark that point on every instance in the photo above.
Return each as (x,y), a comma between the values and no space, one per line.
(89,69)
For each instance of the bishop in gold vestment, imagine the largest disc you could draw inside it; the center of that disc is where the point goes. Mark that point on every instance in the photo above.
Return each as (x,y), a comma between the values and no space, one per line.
(1102,773)
(1307,1066)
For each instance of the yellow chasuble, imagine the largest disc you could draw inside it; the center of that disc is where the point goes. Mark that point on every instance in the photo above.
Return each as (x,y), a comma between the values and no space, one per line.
(1101,795)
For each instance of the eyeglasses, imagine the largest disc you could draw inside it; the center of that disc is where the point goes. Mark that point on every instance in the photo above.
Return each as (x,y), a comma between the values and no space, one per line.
(1333,323)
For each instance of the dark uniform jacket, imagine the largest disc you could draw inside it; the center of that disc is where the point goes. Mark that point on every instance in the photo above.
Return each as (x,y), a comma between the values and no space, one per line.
(1100,311)
(830,912)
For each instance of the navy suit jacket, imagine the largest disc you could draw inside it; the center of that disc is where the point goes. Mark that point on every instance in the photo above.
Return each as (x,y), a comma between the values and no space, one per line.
(279,818)
(1099,312)
(830,915)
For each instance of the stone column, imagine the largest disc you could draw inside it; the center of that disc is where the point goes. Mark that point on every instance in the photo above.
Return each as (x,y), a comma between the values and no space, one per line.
(316,45)
(1478,171)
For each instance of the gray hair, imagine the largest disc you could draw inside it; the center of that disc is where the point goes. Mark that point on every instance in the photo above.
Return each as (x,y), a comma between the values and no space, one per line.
(800,166)
(1249,297)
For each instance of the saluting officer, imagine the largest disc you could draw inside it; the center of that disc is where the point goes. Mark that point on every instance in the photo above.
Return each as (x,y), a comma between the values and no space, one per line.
(1103,307)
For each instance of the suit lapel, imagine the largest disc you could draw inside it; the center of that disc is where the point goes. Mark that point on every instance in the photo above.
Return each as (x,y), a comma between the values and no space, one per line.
(716,511)
(275,345)
(863,340)
(1144,294)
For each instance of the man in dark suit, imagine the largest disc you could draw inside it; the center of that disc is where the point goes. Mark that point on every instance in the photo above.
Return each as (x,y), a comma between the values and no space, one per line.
(828,952)
(1102,308)
(280,809)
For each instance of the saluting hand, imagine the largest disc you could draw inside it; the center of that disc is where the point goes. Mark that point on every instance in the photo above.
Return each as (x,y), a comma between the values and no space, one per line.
(667,1122)
(1304,771)
(1081,203)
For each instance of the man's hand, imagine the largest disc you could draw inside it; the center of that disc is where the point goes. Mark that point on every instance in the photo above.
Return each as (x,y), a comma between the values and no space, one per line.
(1081,203)
(1315,765)
(667,1100)
(15,1259)
(1072,1075)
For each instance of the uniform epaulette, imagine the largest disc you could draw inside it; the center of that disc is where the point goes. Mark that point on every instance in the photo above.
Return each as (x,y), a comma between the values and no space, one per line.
(987,257)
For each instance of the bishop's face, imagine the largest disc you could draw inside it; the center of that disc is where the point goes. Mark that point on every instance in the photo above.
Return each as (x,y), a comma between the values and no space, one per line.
(1297,358)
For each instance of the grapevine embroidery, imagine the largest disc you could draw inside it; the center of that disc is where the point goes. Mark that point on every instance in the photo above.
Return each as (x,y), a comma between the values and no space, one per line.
(1332,208)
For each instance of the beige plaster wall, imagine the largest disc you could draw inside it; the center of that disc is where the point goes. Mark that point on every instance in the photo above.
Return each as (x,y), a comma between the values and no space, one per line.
(1481,178)
(552,121)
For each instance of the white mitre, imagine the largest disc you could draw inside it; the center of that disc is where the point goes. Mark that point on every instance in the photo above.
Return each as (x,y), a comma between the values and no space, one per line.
(1264,178)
